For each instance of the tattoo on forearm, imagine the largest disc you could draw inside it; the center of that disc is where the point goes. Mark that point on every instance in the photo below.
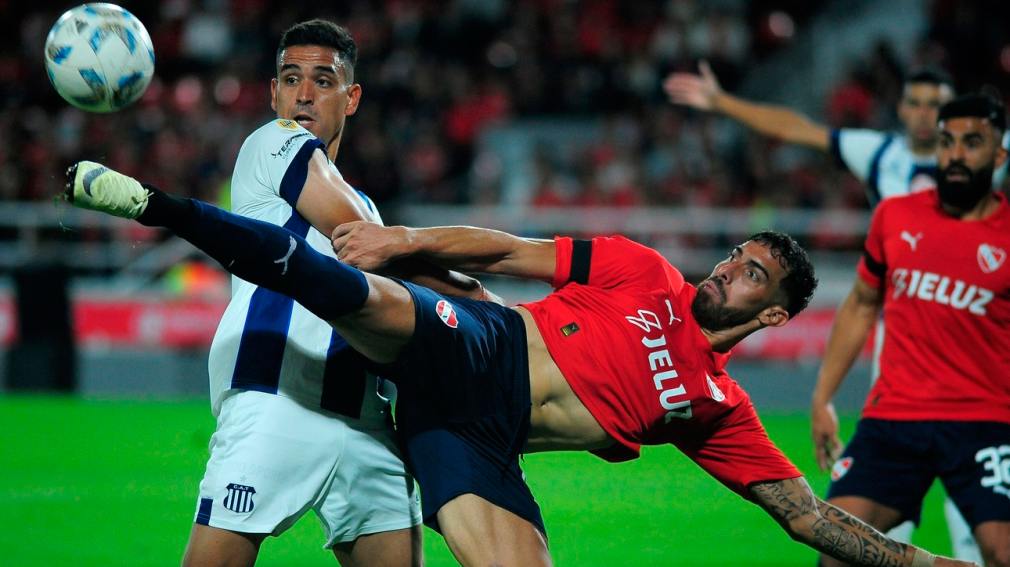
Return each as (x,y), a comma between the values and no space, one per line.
(830,529)
(839,534)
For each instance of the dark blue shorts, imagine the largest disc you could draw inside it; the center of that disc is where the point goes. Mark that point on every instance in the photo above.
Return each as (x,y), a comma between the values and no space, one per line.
(463,403)
(895,462)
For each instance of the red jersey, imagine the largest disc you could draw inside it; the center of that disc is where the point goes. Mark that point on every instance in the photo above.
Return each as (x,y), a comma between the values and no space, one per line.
(620,329)
(946,286)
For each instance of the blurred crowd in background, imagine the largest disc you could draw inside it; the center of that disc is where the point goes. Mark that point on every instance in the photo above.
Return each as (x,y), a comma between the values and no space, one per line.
(437,76)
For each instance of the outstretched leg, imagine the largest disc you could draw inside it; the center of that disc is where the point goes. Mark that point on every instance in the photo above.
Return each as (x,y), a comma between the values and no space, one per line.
(372,313)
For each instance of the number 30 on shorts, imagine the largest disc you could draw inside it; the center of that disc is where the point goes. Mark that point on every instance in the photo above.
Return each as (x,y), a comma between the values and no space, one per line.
(996,460)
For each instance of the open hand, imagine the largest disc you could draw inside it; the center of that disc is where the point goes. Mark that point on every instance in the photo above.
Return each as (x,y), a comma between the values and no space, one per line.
(696,91)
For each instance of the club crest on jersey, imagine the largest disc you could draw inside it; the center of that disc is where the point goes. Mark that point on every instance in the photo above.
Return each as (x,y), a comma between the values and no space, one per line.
(287,124)
(446,313)
(840,467)
(990,258)
(717,394)
(239,498)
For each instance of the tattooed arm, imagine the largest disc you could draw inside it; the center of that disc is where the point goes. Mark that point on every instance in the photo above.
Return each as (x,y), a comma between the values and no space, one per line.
(834,531)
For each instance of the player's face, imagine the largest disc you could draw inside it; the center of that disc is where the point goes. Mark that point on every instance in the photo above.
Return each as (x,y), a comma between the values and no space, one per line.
(741,287)
(968,153)
(918,109)
(311,89)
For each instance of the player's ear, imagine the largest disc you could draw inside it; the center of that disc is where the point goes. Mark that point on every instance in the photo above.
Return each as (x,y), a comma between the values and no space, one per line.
(353,98)
(1001,156)
(273,94)
(773,316)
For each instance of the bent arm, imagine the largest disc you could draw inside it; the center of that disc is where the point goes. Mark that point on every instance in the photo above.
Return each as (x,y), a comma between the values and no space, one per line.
(327,201)
(835,532)
(464,248)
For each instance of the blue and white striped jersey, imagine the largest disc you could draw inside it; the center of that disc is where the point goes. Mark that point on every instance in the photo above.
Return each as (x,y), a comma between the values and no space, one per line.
(886,165)
(883,162)
(266,341)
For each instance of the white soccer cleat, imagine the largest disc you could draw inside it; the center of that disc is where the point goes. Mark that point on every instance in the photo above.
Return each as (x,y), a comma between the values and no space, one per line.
(93,186)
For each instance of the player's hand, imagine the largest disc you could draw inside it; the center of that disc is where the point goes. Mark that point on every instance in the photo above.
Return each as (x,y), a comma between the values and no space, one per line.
(368,246)
(696,91)
(824,429)
(490,296)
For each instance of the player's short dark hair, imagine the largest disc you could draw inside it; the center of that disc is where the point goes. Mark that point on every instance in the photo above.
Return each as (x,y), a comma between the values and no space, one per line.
(326,34)
(976,105)
(930,76)
(800,281)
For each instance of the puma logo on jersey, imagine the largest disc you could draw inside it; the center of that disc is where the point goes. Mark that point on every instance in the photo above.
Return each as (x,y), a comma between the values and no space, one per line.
(291,250)
(990,258)
(928,286)
(912,241)
(669,308)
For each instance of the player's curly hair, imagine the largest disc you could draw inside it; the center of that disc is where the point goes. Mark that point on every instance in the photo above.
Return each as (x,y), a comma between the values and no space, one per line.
(800,281)
(327,34)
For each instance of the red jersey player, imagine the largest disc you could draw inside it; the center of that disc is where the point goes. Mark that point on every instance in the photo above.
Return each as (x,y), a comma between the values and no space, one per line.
(630,343)
(623,353)
(935,263)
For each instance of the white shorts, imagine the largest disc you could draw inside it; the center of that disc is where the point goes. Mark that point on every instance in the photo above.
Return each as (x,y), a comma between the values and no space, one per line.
(272,459)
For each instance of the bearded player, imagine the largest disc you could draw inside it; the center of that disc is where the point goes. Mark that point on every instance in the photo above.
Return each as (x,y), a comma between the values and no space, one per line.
(889,164)
(623,353)
(935,265)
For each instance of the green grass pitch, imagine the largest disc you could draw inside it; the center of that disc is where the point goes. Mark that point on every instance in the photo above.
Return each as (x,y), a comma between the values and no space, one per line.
(114,483)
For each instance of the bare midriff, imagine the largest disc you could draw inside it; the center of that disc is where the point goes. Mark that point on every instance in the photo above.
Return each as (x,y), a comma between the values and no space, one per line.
(559,421)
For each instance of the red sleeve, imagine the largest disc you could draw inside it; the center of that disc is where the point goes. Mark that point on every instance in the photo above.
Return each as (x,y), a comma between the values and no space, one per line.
(739,453)
(604,261)
(873,265)
(562,260)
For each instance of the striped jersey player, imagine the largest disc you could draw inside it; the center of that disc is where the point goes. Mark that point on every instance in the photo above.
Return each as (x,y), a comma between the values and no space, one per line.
(267,342)
(291,398)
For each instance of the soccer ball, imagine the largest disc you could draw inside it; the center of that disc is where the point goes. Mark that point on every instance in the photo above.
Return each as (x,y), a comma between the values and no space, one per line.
(99,57)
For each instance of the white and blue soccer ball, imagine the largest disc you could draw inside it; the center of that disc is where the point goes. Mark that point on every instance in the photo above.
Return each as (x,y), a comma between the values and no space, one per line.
(99,57)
